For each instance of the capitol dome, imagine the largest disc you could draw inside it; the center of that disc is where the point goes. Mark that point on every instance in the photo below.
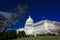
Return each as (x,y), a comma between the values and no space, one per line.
(29,20)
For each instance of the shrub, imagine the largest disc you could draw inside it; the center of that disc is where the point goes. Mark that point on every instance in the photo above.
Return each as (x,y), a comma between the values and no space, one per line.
(21,34)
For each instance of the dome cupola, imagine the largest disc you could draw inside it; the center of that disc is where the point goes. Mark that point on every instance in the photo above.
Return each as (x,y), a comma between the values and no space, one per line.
(29,21)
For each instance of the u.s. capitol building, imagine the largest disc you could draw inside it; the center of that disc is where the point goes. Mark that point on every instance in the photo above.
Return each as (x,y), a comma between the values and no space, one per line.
(41,27)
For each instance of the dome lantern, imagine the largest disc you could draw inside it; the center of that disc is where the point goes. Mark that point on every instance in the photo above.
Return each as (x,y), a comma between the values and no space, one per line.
(29,21)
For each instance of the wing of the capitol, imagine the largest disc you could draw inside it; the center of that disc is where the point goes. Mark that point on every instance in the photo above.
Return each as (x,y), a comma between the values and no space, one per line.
(41,27)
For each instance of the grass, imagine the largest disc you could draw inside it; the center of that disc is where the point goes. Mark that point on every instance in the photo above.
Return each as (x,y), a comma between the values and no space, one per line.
(41,38)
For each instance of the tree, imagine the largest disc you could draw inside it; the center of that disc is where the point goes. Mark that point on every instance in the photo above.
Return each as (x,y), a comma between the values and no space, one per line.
(3,36)
(11,34)
(21,34)
(8,35)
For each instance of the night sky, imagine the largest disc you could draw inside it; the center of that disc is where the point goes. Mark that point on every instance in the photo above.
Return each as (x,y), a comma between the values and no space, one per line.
(49,9)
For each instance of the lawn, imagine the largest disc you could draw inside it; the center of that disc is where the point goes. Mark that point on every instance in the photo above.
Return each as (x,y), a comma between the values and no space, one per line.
(41,38)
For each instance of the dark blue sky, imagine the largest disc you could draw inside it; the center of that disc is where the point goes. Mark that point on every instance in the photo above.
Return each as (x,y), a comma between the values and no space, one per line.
(50,9)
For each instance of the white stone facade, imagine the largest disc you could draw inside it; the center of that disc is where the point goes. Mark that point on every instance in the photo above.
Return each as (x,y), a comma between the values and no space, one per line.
(41,27)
